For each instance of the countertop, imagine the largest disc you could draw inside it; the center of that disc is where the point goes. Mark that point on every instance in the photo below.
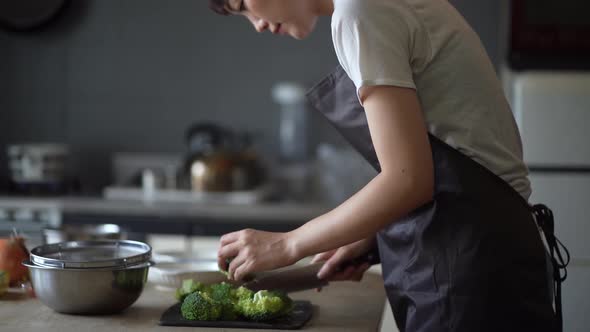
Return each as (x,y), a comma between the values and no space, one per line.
(342,306)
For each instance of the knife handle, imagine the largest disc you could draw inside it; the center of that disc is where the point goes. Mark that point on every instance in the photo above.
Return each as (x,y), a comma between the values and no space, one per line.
(369,257)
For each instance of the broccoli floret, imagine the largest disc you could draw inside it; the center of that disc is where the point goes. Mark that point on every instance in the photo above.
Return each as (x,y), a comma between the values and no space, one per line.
(265,305)
(180,295)
(224,293)
(188,286)
(243,293)
(229,311)
(221,291)
(200,306)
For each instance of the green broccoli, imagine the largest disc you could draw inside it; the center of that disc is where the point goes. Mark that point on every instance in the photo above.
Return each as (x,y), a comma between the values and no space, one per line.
(265,305)
(220,291)
(188,286)
(226,302)
(243,293)
(224,294)
(200,306)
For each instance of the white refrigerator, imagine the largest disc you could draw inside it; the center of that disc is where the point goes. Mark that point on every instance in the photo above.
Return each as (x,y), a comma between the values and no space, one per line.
(552,110)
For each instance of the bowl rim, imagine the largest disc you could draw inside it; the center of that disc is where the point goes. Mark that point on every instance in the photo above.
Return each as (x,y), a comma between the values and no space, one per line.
(30,264)
(37,254)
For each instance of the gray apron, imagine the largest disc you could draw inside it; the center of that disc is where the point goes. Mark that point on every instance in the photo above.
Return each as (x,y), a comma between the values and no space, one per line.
(470,260)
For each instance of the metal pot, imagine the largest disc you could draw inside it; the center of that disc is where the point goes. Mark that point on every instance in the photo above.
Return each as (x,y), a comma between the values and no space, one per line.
(224,172)
(83,233)
(89,277)
(220,160)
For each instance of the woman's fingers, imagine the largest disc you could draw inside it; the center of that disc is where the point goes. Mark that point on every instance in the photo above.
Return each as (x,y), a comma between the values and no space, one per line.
(317,258)
(243,270)
(324,256)
(227,252)
(229,238)
(251,251)
(360,272)
(346,274)
(221,263)
(234,265)
(331,265)
(230,250)
(357,272)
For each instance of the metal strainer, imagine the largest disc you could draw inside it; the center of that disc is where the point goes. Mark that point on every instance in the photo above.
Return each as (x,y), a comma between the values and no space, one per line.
(92,254)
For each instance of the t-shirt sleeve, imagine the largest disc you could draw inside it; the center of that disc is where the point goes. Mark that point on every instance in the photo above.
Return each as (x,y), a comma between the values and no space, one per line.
(375,42)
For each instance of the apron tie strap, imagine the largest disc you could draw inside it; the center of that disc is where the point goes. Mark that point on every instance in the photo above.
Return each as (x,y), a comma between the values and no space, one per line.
(544,218)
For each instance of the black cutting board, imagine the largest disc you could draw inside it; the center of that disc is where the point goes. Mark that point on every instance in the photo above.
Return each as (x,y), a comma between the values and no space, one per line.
(300,315)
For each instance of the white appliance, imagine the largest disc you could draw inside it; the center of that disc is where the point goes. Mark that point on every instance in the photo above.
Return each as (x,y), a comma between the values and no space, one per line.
(552,110)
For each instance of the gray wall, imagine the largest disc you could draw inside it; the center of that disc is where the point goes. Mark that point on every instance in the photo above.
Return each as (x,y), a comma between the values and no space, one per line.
(131,75)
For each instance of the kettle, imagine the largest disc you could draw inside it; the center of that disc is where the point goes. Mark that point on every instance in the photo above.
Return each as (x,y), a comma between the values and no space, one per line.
(220,160)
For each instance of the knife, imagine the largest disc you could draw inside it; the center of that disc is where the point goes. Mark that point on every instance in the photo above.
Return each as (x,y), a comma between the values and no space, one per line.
(297,278)
(289,279)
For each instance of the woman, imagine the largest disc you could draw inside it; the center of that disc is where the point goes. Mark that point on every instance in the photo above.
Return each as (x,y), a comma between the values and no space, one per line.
(417,96)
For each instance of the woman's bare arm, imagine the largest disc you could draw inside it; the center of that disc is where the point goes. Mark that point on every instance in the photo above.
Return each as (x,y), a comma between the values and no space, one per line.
(406,180)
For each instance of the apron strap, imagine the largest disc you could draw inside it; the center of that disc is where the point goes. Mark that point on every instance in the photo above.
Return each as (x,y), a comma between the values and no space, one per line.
(544,218)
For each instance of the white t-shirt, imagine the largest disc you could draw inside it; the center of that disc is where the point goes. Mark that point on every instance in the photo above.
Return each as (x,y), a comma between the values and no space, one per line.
(426,45)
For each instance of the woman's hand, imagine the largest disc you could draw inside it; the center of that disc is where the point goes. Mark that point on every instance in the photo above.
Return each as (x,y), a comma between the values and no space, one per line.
(335,259)
(252,251)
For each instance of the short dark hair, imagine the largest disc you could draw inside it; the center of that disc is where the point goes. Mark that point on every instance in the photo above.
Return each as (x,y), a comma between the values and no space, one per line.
(219,6)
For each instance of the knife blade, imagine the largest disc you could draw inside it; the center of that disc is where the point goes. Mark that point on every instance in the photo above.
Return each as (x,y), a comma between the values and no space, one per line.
(288,280)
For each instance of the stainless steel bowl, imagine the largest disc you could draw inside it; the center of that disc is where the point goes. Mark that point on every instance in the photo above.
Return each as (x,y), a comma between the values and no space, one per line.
(88,291)
(89,277)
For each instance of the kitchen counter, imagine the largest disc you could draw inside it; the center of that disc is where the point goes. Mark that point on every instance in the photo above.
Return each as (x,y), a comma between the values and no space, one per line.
(191,219)
(262,212)
(342,306)
(266,211)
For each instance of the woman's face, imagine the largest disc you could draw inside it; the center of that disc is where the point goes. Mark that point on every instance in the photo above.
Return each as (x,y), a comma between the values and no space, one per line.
(296,18)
